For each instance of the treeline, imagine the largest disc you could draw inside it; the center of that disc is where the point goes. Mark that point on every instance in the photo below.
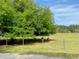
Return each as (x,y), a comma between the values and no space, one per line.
(67,29)
(22,18)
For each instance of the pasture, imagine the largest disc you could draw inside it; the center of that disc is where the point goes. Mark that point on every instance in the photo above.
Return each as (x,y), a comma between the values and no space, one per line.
(63,43)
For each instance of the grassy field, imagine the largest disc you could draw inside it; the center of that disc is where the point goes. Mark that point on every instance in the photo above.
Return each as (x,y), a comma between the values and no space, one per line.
(64,43)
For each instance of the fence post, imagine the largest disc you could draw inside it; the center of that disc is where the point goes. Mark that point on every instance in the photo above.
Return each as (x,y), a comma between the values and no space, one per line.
(64,48)
(6,42)
(23,41)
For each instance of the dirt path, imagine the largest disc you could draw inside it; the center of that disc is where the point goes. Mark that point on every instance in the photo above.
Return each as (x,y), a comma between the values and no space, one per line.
(16,56)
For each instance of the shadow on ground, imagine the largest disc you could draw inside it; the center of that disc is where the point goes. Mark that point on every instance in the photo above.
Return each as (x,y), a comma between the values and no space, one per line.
(24,41)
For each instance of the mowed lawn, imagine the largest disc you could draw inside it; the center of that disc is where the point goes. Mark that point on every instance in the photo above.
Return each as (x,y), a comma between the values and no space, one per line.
(62,43)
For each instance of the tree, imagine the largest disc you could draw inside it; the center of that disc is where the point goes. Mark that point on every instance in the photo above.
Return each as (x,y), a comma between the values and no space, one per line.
(74,28)
(22,18)
(44,23)
(70,28)
(6,16)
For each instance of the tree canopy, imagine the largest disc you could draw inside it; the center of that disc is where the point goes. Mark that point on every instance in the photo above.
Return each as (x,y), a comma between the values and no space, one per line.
(67,29)
(23,18)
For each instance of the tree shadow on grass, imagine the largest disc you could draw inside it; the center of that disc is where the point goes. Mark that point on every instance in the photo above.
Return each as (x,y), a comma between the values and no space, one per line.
(24,41)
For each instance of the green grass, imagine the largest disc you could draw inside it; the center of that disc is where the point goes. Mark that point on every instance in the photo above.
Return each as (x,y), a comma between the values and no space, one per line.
(65,43)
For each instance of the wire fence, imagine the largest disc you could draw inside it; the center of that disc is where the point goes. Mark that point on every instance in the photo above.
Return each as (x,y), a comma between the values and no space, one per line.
(69,49)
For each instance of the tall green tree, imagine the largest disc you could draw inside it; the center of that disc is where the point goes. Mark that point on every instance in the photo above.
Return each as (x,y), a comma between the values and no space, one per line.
(23,18)
(6,16)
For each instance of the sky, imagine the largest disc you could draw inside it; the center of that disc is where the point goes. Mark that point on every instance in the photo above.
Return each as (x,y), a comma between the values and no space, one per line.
(66,12)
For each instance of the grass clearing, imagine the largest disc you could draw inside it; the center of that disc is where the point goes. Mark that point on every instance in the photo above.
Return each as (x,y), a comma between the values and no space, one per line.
(67,43)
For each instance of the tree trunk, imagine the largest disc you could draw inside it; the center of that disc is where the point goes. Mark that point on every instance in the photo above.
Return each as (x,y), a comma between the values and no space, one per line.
(23,41)
(6,42)
(42,39)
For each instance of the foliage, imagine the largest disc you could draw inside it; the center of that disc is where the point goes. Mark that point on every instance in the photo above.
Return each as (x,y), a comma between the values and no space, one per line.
(66,29)
(23,18)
